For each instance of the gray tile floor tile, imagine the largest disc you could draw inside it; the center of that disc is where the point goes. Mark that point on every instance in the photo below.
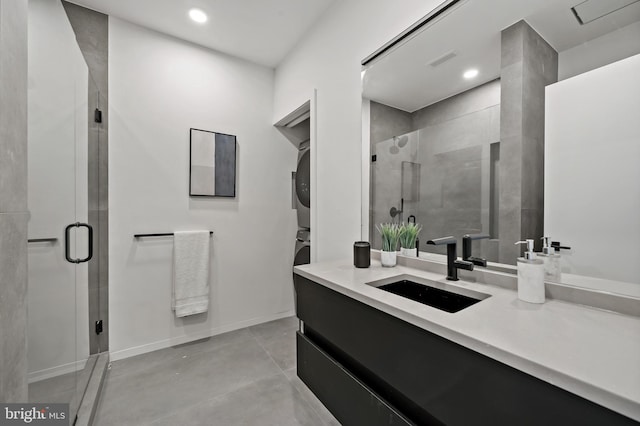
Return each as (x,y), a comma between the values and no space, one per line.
(272,401)
(282,349)
(237,378)
(141,397)
(278,338)
(271,329)
(58,389)
(154,359)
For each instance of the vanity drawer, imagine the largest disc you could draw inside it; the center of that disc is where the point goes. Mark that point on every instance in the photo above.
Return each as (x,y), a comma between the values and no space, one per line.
(350,400)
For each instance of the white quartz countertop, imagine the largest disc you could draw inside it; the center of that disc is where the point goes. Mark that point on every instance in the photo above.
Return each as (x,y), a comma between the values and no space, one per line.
(590,352)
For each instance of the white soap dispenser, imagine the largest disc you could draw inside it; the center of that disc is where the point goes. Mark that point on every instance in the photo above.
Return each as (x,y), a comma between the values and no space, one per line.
(551,259)
(530,276)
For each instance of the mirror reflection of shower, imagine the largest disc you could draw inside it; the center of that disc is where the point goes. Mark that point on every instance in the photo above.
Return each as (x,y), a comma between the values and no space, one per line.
(442,176)
(395,192)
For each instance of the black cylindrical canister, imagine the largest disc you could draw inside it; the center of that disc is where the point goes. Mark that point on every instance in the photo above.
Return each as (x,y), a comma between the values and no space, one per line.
(361,254)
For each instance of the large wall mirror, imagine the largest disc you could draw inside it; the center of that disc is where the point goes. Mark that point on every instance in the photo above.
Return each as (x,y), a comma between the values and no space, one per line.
(514,119)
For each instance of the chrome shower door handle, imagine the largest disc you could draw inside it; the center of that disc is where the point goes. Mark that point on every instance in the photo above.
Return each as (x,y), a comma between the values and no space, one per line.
(67,246)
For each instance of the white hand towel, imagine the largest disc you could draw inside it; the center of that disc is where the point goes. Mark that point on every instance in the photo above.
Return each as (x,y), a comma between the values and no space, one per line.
(190,273)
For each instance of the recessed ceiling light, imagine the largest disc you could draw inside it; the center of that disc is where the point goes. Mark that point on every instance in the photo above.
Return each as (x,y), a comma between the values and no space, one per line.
(198,16)
(469,74)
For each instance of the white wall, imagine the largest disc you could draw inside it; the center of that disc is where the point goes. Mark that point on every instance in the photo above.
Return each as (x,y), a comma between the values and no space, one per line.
(58,317)
(592,178)
(603,50)
(159,88)
(328,59)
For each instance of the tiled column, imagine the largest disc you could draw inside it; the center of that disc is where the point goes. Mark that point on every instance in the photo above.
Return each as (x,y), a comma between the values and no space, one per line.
(13,201)
(529,64)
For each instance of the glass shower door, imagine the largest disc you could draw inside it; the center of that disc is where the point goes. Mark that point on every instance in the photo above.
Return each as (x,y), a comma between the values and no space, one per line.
(59,243)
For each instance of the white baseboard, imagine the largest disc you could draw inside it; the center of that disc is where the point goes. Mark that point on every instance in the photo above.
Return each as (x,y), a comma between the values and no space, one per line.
(162,344)
(59,370)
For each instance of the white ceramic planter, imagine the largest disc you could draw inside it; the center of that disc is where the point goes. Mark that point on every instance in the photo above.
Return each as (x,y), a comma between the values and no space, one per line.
(408,252)
(388,258)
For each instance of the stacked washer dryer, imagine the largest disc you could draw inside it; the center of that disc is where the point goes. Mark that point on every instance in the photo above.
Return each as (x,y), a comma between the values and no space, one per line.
(296,127)
(303,204)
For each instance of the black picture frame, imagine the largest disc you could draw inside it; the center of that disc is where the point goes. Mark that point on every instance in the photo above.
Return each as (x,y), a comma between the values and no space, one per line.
(212,164)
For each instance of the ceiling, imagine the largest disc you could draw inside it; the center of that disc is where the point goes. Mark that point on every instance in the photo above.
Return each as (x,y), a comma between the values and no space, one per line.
(261,31)
(404,78)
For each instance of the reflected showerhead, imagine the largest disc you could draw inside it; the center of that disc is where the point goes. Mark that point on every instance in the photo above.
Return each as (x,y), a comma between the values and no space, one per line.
(398,142)
(401,140)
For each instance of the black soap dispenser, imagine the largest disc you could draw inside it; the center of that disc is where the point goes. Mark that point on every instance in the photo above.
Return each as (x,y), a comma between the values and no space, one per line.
(361,254)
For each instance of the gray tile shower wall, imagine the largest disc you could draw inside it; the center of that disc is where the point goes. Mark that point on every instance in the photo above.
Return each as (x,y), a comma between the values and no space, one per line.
(387,122)
(13,106)
(13,200)
(92,34)
(13,307)
(469,102)
(455,182)
(92,30)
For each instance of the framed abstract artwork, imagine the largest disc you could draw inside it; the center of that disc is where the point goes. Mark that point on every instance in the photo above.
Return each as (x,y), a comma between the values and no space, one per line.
(212,170)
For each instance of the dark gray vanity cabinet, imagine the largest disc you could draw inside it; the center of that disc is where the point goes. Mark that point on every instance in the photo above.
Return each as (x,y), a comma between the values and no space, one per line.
(371,368)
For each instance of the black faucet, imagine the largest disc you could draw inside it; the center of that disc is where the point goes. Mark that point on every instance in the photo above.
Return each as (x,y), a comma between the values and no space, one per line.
(466,249)
(452,255)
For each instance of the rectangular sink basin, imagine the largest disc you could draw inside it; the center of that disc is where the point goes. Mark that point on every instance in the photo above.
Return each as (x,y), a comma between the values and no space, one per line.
(442,296)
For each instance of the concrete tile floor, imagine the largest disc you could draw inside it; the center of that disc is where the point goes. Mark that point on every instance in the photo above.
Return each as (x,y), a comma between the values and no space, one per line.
(245,377)
(58,389)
